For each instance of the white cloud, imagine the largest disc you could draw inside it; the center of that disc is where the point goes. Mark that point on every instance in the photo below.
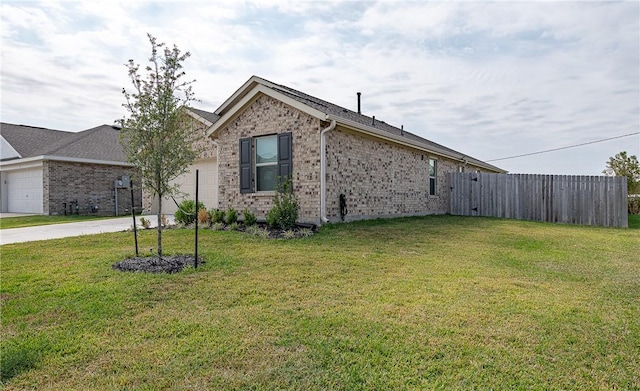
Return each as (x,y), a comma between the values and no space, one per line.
(488,79)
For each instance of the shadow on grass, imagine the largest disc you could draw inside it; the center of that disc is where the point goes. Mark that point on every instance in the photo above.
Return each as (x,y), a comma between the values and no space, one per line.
(20,356)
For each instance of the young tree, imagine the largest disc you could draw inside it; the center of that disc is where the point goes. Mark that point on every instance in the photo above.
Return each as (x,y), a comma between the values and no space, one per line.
(623,165)
(158,136)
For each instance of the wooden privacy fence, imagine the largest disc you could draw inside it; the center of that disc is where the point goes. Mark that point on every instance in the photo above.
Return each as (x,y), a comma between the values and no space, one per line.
(586,200)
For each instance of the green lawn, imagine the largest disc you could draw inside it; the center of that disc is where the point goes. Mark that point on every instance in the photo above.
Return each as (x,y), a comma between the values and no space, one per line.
(31,221)
(634,221)
(418,303)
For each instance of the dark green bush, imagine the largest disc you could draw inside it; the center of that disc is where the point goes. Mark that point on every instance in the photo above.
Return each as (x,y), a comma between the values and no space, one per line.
(186,213)
(217,216)
(284,213)
(248,217)
(232,216)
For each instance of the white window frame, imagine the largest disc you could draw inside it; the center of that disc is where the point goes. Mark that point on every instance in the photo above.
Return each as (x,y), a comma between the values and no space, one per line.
(433,177)
(255,160)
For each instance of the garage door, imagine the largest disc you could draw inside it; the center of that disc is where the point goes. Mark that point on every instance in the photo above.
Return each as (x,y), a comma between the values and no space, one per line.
(207,186)
(24,190)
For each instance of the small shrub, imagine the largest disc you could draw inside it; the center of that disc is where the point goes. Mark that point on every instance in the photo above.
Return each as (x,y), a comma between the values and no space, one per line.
(233,226)
(252,230)
(146,223)
(284,213)
(217,216)
(289,234)
(305,232)
(248,217)
(186,213)
(217,226)
(203,217)
(232,216)
(263,233)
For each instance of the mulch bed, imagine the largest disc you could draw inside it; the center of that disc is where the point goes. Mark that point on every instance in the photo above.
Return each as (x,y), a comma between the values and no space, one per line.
(175,263)
(166,264)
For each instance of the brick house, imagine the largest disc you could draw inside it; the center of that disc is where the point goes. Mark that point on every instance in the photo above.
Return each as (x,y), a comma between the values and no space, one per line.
(53,172)
(333,154)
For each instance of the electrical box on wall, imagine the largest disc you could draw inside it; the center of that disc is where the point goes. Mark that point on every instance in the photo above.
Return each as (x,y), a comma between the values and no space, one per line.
(123,182)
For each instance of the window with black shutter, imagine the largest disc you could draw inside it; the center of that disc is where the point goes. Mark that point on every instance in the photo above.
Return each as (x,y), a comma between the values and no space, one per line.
(284,155)
(270,160)
(245,166)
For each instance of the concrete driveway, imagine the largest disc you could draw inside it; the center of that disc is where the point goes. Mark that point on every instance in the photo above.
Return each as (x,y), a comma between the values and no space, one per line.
(57,231)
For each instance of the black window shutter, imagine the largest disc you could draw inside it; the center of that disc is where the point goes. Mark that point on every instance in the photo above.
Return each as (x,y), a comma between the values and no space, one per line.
(245,165)
(285,158)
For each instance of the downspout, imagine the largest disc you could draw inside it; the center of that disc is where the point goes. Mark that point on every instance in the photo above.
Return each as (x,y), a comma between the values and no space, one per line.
(215,142)
(323,171)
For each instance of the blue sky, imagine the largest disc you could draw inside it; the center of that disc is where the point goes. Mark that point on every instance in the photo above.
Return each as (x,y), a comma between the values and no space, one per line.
(489,79)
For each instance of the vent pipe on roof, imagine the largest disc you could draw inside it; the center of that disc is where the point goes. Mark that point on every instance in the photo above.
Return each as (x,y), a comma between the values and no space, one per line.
(401,130)
(373,121)
(359,102)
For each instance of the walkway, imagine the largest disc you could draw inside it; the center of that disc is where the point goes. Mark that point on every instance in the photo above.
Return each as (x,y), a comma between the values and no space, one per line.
(57,231)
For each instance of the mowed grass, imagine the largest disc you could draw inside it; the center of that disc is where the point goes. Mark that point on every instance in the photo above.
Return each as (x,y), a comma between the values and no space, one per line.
(634,221)
(419,303)
(35,220)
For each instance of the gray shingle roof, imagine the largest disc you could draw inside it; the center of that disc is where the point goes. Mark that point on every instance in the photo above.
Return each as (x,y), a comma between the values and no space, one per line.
(209,116)
(31,141)
(99,143)
(350,115)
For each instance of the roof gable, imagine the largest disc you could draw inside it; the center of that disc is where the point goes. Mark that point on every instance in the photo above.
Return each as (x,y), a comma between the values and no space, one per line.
(248,94)
(7,152)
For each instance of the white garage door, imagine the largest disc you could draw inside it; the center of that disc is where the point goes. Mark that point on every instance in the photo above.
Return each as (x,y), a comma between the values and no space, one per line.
(24,190)
(207,186)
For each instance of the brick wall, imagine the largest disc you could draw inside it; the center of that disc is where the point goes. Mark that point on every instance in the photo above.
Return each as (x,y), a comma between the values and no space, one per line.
(263,117)
(382,179)
(378,178)
(89,185)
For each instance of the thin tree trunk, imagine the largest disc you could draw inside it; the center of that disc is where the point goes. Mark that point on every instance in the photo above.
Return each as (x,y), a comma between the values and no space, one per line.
(159,226)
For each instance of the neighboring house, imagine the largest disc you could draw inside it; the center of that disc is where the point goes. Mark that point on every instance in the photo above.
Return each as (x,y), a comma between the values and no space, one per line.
(344,165)
(55,172)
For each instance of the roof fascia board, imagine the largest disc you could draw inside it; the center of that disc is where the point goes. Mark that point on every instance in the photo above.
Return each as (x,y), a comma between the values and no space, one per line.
(403,141)
(16,162)
(20,164)
(88,161)
(240,92)
(252,95)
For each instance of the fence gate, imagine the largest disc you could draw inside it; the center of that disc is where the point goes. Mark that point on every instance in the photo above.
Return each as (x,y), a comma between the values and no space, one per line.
(585,200)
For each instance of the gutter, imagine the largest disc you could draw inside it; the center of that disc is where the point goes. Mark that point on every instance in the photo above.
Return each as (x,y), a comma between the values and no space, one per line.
(215,142)
(323,171)
(8,163)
